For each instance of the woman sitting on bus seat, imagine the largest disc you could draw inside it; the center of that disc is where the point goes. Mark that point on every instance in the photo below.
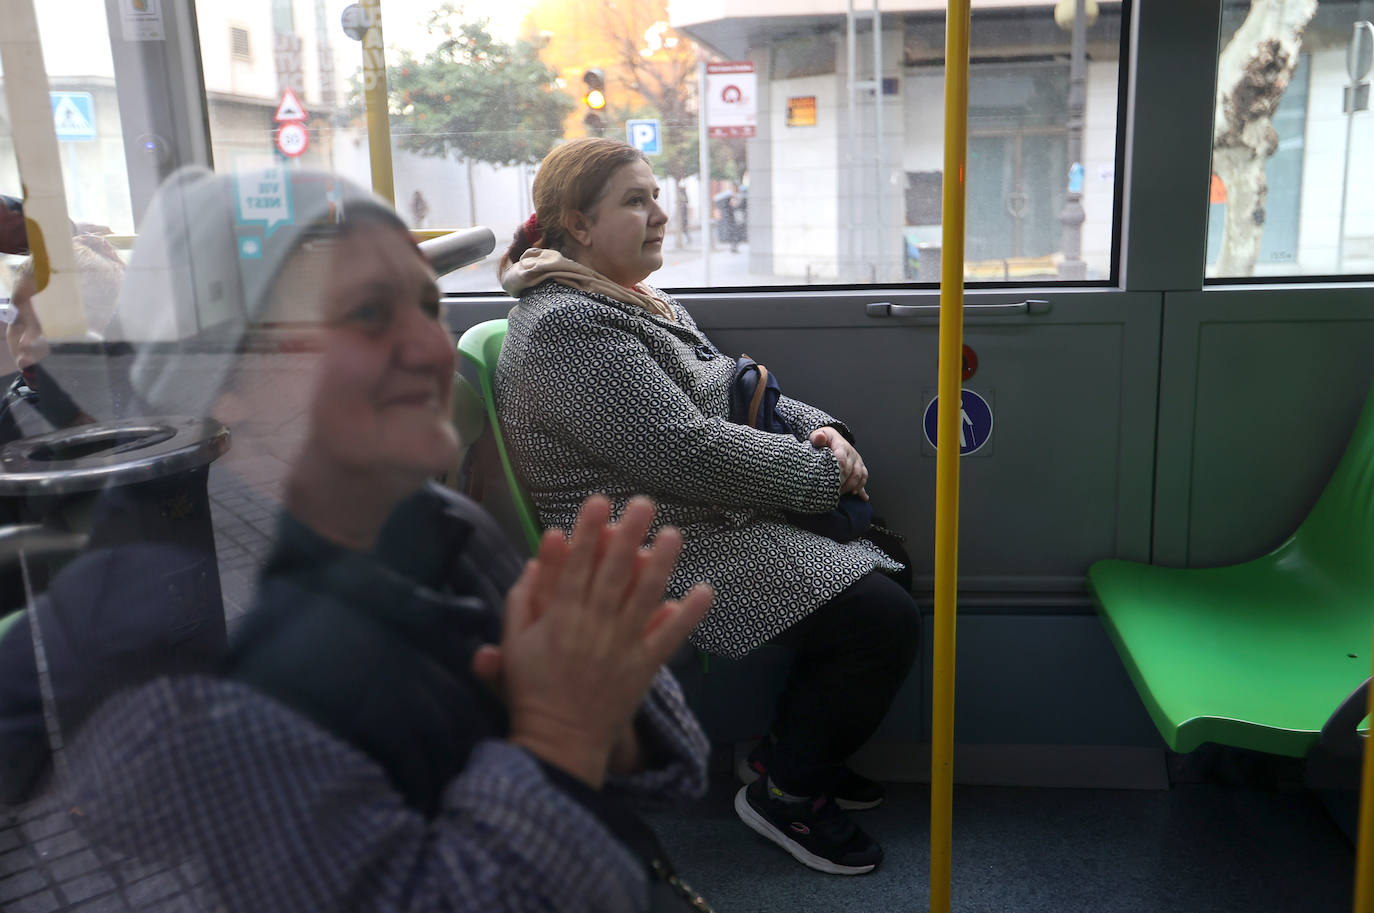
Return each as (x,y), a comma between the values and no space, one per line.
(606,385)
(377,740)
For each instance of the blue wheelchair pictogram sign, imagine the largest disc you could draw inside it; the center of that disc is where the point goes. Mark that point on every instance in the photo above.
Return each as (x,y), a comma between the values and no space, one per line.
(975,422)
(644,135)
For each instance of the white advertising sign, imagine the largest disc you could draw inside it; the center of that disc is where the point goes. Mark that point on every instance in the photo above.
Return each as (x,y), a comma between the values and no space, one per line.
(264,198)
(142,20)
(731,99)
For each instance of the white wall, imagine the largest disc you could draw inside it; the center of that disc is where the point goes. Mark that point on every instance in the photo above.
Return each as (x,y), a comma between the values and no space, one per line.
(1323,161)
(925,120)
(1099,166)
(501,204)
(257,77)
(805,179)
(74,37)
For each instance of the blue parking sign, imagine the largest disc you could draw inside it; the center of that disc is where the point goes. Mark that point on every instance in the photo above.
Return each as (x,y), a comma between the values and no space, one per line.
(644,136)
(73,115)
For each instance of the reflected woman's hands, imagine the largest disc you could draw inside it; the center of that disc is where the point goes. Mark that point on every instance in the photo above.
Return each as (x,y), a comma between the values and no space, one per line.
(853,472)
(586,630)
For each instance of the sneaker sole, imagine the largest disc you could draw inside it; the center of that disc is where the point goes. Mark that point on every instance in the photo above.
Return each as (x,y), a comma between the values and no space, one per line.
(850,805)
(764,828)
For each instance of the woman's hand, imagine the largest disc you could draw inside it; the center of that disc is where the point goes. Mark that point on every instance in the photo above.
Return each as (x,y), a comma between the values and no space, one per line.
(853,472)
(586,630)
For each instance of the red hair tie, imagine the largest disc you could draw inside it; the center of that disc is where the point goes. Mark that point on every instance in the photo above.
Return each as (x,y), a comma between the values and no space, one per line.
(531,227)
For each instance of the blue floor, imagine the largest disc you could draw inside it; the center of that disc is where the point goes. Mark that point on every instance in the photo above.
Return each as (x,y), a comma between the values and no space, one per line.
(1195,848)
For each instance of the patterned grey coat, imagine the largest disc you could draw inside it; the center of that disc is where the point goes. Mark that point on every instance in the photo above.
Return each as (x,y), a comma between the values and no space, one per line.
(595,395)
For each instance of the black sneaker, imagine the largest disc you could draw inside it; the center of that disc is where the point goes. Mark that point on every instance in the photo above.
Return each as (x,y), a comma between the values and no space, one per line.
(852,792)
(816,832)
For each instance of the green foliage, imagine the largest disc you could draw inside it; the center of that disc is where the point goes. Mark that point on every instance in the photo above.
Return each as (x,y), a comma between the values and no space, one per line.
(484,99)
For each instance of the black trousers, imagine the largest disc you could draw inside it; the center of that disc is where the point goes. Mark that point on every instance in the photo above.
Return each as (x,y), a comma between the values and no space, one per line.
(852,654)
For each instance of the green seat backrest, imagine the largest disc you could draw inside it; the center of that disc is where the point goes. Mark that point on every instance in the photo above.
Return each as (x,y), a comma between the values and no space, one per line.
(481,345)
(9,621)
(1258,654)
(1338,535)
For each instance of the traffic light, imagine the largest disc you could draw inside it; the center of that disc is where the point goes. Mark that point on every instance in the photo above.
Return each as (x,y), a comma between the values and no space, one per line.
(595,100)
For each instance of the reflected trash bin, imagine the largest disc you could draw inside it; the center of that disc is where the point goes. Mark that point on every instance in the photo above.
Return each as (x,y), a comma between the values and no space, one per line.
(120,482)
(112,523)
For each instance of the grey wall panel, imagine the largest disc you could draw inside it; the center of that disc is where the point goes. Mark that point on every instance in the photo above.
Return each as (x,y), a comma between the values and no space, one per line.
(1259,391)
(1020,680)
(1065,478)
(1027,680)
(1037,680)
(1169,107)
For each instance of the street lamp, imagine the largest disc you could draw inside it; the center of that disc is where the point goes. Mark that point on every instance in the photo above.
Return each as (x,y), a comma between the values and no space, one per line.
(1075,16)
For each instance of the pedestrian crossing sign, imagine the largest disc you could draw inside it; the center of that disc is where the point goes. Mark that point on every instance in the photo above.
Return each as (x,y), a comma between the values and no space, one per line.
(73,115)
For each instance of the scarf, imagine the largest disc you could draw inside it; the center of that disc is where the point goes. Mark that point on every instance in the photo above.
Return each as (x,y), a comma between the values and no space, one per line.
(537,265)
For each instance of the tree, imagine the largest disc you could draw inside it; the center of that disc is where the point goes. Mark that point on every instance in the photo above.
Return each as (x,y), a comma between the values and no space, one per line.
(483,99)
(1253,71)
(651,72)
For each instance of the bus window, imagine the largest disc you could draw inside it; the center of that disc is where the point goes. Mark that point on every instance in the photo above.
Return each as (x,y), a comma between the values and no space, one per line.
(86,117)
(797,191)
(1288,194)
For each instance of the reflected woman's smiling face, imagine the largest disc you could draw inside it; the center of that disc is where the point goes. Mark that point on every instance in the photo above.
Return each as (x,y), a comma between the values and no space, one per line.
(379,404)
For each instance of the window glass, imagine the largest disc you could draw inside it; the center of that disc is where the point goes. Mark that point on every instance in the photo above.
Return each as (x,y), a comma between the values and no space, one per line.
(1288,194)
(798,192)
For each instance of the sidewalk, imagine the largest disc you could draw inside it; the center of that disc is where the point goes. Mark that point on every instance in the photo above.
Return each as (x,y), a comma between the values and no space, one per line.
(46,864)
(682,268)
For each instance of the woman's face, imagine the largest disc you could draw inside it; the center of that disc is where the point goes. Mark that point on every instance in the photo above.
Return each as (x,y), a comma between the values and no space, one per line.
(380,403)
(622,236)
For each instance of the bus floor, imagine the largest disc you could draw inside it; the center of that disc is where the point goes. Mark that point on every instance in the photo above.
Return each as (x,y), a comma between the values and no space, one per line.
(1197,848)
(1194,848)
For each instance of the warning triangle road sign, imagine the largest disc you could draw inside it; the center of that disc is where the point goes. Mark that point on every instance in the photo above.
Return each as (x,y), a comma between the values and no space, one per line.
(290,107)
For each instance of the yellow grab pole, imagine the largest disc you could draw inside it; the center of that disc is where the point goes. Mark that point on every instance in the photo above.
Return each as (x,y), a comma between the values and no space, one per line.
(58,299)
(378,107)
(947,453)
(1364,846)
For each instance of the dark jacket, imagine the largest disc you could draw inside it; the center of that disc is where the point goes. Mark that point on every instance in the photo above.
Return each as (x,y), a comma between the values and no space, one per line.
(411,614)
(298,778)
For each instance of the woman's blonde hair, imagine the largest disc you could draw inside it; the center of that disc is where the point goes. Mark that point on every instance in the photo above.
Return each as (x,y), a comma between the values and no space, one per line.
(573,177)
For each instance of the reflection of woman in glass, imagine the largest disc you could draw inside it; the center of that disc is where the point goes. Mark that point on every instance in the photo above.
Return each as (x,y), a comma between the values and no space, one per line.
(606,385)
(377,739)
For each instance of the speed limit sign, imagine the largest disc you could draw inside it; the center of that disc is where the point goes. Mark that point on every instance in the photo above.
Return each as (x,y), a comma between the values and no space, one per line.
(293,139)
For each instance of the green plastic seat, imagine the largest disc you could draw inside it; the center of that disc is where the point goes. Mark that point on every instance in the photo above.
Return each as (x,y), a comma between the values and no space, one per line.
(1256,655)
(9,621)
(481,345)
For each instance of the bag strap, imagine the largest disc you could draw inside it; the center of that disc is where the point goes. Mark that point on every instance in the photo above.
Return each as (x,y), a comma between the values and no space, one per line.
(759,390)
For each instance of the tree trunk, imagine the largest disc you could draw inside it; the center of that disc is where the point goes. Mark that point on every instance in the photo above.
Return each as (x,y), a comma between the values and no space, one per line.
(1253,71)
